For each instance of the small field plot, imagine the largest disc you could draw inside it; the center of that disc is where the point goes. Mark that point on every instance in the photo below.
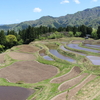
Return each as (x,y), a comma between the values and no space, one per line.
(27,48)
(21,56)
(72,82)
(28,72)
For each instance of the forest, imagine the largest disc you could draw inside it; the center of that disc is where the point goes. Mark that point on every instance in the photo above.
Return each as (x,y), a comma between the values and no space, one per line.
(11,38)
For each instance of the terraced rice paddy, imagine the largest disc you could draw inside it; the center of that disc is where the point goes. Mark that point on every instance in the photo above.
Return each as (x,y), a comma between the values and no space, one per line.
(46,76)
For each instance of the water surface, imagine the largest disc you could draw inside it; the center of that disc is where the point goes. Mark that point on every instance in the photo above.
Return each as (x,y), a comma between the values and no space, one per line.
(93,46)
(94,59)
(57,54)
(63,48)
(75,46)
(47,57)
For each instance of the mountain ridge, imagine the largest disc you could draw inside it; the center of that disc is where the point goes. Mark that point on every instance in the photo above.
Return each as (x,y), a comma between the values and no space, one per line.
(89,17)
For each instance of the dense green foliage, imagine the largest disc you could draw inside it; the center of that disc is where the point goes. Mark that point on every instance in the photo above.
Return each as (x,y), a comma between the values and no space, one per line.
(12,38)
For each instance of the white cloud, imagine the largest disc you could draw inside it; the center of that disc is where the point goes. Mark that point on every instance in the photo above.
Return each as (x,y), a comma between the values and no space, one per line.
(94,0)
(77,1)
(17,20)
(37,10)
(64,1)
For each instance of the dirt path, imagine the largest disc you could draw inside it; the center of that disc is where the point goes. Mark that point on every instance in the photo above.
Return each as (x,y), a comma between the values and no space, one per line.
(61,96)
(72,82)
(73,91)
(72,73)
(28,72)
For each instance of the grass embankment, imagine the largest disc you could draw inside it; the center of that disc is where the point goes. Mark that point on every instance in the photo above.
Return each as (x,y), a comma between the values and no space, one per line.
(47,90)
(44,89)
(91,91)
(82,45)
(82,51)
(51,89)
(86,63)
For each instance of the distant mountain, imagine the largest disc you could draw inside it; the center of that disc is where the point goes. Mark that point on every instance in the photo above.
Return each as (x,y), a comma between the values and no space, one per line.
(89,17)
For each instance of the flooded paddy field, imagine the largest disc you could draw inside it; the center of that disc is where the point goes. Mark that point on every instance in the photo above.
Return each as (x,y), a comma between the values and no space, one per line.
(75,46)
(57,54)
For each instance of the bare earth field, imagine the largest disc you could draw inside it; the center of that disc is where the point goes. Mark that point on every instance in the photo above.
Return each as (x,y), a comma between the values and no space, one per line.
(27,48)
(76,41)
(74,72)
(28,72)
(21,56)
(72,82)
(2,58)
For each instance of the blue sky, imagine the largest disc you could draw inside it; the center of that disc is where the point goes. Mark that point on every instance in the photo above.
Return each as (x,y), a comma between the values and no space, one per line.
(16,11)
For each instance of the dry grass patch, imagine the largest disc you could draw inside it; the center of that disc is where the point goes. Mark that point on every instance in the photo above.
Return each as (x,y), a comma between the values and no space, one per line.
(73,91)
(28,72)
(89,91)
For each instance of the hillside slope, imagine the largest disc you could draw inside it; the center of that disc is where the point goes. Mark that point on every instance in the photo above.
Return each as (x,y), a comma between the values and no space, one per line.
(89,17)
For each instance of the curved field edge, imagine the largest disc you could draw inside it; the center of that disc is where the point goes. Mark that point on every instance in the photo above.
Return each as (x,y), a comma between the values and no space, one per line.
(91,91)
(82,51)
(82,45)
(44,89)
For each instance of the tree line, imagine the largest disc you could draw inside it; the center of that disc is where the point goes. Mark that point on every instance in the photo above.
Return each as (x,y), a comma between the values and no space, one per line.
(25,36)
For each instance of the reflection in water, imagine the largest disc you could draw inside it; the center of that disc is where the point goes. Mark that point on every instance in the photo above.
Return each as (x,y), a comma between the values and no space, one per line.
(75,46)
(55,52)
(95,60)
(63,48)
(47,57)
(93,46)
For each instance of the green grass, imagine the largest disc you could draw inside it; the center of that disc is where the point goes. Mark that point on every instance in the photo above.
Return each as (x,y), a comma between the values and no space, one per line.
(45,90)
(82,45)
(97,98)
(82,51)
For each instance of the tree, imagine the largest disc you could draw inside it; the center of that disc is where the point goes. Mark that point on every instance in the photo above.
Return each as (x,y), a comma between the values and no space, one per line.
(1,48)
(94,34)
(11,40)
(89,30)
(83,30)
(71,33)
(98,32)
(2,38)
(74,30)
(78,34)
